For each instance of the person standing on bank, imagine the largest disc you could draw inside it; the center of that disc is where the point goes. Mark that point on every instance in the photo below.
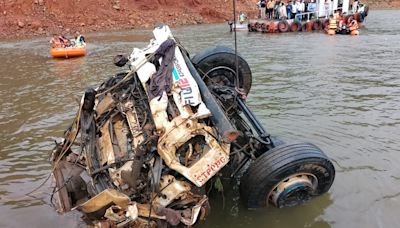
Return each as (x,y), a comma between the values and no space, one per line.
(289,10)
(282,11)
(276,9)
(300,9)
(311,9)
(262,5)
(294,9)
(270,8)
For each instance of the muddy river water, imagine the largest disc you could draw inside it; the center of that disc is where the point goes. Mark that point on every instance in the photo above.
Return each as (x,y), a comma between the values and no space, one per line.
(341,93)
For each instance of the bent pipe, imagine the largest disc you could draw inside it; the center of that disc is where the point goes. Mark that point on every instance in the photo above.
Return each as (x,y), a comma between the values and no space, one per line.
(220,120)
(254,122)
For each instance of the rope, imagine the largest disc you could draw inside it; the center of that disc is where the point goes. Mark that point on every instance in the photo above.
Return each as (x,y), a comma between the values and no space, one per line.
(130,73)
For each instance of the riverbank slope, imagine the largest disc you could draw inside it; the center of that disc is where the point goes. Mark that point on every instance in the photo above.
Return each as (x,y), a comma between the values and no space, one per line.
(25,19)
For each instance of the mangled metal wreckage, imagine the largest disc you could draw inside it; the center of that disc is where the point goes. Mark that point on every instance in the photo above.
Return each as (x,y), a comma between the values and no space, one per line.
(145,142)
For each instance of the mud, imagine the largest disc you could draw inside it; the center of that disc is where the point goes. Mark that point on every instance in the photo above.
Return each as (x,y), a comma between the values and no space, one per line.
(25,19)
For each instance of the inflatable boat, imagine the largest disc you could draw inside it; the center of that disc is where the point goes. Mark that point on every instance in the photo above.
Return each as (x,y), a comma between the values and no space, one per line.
(68,52)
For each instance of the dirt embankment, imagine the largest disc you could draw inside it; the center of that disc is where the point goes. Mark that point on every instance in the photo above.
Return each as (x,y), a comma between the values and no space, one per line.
(22,18)
(383,4)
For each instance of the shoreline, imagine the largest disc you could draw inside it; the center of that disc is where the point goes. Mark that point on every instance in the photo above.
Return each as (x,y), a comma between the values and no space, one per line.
(44,18)
(38,25)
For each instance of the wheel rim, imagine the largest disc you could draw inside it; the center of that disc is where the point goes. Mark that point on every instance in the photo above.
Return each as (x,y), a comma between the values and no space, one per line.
(221,75)
(293,190)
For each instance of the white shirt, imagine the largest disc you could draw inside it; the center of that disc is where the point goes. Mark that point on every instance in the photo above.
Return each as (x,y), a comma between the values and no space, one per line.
(355,6)
(294,8)
(302,6)
(298,6)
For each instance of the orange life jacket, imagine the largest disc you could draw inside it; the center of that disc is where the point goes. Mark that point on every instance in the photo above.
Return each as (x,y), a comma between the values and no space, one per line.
(332,24)
(353,25)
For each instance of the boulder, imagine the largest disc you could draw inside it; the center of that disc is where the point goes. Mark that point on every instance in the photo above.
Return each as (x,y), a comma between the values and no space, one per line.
(21,24)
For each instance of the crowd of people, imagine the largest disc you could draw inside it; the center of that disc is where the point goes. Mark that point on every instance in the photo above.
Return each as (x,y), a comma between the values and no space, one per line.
(338,22)
(304,9)
(278,9)
(63,42)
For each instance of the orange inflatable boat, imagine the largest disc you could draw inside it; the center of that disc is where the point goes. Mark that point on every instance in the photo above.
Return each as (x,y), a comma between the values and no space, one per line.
(67,52)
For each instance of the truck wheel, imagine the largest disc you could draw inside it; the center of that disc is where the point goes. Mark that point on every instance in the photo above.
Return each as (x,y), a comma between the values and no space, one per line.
(217,65)
(287,175)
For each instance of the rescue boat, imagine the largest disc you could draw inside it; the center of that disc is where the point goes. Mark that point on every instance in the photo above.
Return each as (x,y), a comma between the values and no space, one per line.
(67,52)
(238,26)
(315,21)
(347,31)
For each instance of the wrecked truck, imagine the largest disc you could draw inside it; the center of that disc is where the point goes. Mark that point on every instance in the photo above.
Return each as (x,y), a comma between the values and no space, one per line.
(145,143)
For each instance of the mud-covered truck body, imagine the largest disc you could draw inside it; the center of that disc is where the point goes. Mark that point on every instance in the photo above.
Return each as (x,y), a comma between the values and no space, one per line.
(144,144)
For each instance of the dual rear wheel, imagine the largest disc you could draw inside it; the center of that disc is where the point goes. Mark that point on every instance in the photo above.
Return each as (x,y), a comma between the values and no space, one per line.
(286,175)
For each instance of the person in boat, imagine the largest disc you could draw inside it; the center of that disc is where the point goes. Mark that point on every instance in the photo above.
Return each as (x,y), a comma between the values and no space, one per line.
(354,7)
(64,41)
(340,17)
(55,42)
(79,40)
(353,25)
(361,8)
(335,14)
(332,23)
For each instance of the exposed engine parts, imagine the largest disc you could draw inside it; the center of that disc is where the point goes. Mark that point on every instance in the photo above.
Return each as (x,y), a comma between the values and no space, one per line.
(144,143)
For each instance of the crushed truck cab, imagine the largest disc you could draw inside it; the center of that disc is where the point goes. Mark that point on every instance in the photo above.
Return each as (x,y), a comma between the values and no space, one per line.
(145,142)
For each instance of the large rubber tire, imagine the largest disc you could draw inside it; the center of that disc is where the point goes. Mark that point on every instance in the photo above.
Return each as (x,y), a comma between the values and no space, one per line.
(219,63)
(275,168)
(258,27)
(264,27)
(307,27)
(317,25)
(283,26)
(325,24)
(295,26)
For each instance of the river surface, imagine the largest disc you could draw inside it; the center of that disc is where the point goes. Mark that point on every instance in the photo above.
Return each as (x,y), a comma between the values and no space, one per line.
(341,93)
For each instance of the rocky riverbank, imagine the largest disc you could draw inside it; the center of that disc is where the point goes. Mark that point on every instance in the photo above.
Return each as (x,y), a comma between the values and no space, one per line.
(25,19)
